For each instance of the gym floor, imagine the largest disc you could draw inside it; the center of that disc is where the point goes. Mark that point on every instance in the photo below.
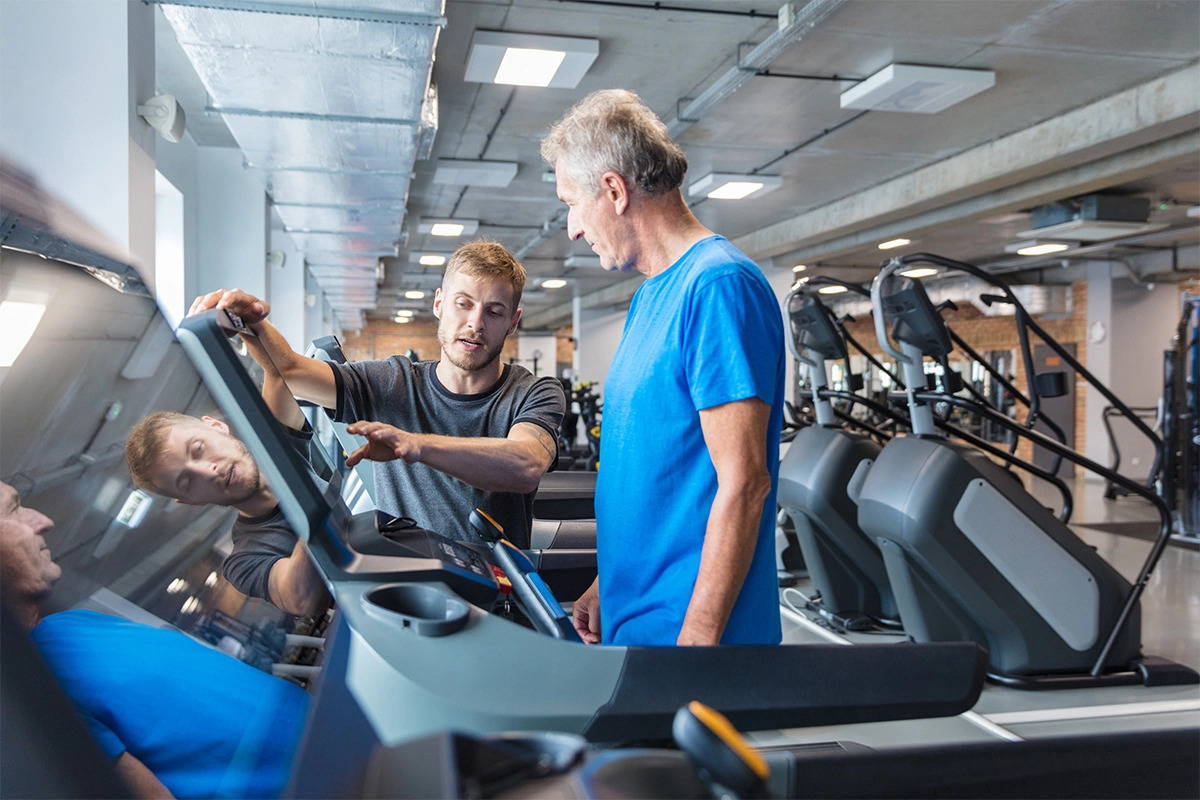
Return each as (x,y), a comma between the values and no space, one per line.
(1170,629)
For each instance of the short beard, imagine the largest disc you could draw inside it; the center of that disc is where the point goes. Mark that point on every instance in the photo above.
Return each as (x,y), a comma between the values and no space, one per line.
(488,355)
(256,475)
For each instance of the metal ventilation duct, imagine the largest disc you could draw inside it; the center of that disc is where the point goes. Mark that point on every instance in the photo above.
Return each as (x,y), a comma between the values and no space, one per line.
(332,103)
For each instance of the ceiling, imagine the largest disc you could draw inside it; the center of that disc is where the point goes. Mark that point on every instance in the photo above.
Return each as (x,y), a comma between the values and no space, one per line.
(1050,57)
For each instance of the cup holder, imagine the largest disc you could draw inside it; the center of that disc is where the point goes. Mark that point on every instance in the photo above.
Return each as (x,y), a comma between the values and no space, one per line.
(427,610)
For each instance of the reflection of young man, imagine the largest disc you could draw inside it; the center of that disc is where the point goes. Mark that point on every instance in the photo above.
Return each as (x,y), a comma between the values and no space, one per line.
(197,461)
(178,718)
(462,432)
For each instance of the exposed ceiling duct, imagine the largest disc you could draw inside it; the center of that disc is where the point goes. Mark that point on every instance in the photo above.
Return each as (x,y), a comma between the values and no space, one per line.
(333,104)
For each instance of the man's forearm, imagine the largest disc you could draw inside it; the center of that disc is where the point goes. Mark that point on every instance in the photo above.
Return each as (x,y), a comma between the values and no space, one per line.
(729,542)
(489,463)
(294,584)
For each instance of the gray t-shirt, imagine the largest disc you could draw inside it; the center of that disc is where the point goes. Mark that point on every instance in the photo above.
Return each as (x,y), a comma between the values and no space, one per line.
(258,542)
(409,395)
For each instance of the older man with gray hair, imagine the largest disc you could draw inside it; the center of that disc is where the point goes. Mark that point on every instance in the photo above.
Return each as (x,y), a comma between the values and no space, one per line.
(693,400)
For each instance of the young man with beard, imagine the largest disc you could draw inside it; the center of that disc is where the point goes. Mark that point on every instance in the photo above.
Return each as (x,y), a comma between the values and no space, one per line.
(197,461)
(461,432)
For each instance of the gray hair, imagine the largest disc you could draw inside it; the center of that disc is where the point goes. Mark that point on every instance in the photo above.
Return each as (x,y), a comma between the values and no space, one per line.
(613,130)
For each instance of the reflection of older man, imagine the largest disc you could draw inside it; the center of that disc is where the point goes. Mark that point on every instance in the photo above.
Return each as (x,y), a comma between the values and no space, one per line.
(197,461)
(179,718)
(693,400)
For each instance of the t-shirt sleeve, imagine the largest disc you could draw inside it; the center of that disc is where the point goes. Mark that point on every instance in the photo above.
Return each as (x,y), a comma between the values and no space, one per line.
(730,342)
(361,387)
(89,697)
(544,405)
(255,551)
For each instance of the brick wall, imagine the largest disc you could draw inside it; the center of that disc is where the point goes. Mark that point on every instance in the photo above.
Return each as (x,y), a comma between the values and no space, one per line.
(999,333)
(382,338)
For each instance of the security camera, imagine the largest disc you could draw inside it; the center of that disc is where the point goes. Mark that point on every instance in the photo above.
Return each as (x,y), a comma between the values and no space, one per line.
(165,115)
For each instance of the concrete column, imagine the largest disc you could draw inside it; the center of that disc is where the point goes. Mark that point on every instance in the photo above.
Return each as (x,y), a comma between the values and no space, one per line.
(74,72)
(1099,359)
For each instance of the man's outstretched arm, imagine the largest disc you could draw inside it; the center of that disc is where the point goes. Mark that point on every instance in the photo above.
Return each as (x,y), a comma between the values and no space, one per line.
(307,378)
(513,464)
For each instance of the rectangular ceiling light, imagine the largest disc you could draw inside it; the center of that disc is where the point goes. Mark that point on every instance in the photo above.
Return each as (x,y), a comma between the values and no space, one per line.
(733,186)
(464,172)
(523,59)
(448,227)
(430,259)
(917,89)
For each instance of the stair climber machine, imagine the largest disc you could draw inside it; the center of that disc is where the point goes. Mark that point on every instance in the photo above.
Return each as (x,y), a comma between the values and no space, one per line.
(970,555)
(420,642)
(821,475)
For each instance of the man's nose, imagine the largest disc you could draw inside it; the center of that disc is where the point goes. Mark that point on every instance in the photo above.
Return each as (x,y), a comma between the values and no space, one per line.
(41,523)
(574,230)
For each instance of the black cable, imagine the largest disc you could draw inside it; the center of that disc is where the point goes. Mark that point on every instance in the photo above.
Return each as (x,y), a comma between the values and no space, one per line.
(664,7)
(809,141)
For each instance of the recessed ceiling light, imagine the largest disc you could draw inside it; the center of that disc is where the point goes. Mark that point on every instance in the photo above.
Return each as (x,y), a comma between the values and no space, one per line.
(832,289)
(799,268)
(528,66)
(888,245)
(414,294)
(430,260)
(404,312)
(522,59)
(917,89)
(919,272)
(402,320)
(1043,249)
(553,283)
(1035,248)
(733,186)
(448,227)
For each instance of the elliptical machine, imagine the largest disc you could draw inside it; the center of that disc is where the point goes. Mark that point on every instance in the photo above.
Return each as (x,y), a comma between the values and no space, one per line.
(969,553)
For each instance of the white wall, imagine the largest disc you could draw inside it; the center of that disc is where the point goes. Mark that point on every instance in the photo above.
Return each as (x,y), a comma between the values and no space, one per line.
(286,287)
(1143,324)
(1099,359)
(232,218)
(545,345)
(597,334)
(74,72)
(177,163)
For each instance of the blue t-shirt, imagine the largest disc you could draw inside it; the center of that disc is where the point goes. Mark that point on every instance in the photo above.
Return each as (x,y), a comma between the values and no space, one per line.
(204,723)
(705,332)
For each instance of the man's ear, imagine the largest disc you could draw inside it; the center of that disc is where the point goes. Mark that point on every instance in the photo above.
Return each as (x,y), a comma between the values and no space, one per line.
(516,320)
(437,302)
(615,191)
(215,423)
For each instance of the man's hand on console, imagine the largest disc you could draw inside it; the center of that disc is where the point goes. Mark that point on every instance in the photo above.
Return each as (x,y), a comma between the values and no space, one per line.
(585,614)
(235,301)
(384,443)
